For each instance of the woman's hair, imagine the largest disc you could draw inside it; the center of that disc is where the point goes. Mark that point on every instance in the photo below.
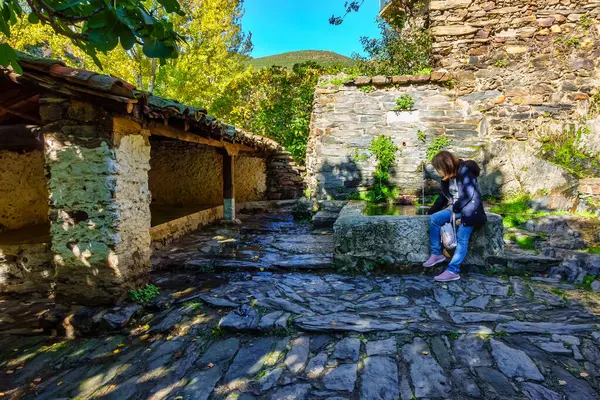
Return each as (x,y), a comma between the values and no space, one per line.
(446,164)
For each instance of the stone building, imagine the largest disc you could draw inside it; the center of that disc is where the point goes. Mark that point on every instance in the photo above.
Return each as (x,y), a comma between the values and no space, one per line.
(94,173)
(515,86)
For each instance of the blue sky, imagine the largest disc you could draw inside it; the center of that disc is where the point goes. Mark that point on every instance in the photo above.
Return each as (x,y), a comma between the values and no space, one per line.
(279,26)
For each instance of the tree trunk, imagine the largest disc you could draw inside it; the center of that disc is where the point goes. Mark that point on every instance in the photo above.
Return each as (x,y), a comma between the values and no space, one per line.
(152,76)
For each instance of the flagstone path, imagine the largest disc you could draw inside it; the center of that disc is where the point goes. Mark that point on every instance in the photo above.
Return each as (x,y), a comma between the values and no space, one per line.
(229,325)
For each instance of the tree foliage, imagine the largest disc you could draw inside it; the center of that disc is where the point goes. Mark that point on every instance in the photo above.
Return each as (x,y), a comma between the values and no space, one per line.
(273,102)
(211,55)
(98,25)
(403,48)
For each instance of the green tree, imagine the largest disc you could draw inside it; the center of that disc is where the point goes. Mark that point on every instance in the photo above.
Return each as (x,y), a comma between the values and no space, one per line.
(97,25)
(273,102)
(215,49)
(403,48)
(210,57)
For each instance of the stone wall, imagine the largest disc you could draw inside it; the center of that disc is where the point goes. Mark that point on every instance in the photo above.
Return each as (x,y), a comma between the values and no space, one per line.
(285,179)
(99,201)
(510,76)
(23,193)
(187,173)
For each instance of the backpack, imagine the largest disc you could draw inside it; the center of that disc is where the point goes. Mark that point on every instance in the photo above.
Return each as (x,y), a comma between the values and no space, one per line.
(448,233)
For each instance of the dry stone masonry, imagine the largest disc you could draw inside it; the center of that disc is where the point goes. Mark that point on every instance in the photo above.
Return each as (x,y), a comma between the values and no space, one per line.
(83,159)
(515,83)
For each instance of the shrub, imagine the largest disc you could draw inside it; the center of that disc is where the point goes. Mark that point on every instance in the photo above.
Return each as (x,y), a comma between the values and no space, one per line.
(404,103)
(145,294)
(438,144)
(404,48)
(563,150)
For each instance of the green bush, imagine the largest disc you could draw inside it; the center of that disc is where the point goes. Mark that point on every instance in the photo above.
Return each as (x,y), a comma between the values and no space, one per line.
(145,294)
(563,150)
(402,49)
(524,242)
(404,103)
(439,143)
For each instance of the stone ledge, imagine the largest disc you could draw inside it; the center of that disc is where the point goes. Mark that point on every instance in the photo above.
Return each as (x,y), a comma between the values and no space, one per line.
(437,76)
(402,242)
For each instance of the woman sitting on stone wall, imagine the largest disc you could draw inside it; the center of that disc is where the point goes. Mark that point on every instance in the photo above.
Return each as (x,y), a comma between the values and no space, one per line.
(461,196)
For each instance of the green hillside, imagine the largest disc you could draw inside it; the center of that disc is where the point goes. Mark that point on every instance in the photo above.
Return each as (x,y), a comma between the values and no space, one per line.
(287,60)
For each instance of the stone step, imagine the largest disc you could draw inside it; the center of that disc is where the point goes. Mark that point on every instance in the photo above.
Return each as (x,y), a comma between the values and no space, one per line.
(325,219)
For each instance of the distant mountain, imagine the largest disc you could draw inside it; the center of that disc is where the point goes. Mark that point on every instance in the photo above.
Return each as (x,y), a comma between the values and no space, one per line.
(287,60)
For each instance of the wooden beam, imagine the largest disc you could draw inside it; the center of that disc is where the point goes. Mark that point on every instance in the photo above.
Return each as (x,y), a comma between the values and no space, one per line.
(173,133)
(5,110)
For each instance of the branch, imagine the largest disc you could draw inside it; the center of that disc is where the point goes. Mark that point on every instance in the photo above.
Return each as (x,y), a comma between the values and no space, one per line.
(51,20)
(73,18)
(353,6)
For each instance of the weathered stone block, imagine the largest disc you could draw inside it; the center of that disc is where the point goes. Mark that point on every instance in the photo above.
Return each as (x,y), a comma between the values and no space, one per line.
(402,242)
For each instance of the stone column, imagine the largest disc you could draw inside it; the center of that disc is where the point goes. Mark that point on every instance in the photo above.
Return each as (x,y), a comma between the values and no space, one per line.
(99,201)
(228,186)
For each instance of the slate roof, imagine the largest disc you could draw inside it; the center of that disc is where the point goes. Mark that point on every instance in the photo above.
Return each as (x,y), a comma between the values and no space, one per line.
(55,76)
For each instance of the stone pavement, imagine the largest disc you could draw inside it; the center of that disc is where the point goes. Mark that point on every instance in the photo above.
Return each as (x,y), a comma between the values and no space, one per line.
(252,312)
(325,336)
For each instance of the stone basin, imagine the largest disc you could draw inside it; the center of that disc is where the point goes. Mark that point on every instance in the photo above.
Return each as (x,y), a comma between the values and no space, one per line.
(363,243)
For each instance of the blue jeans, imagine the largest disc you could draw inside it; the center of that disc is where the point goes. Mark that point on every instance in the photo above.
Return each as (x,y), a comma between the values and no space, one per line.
(463,234)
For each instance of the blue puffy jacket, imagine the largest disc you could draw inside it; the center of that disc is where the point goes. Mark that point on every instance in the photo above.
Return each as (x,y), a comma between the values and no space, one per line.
(469,203)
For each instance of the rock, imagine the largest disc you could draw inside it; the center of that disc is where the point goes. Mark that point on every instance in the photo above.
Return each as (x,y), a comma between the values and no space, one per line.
(514,363)
(325,219)
(453,30)
(282,322)
(248,362)
(379,379)
(572,340)
(395,301)
(362,242)
(441,353)
(269,380)
(347,349)
(469,318)
(465,384)
(303,209)
(201,383)
(282,304)
(118,317)
(298,355)
(495,383)
(316,366)
(219,353)
(480,302)
(318,341)
(596,286)
(342,378)
(242,319)
(537,392)
(345,322)
(471,352)
(443,296)
(575,389)
(382,347)
(268,320)
(294,392)
(554,347)
(217,302)
(543,327)
(170,319)
(427,376)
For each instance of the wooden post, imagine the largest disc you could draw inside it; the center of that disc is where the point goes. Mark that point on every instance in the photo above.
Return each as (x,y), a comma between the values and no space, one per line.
(228,187)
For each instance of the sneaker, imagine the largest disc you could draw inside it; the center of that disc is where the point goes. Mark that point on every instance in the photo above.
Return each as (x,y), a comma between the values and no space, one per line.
(447,276)
(434,260)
